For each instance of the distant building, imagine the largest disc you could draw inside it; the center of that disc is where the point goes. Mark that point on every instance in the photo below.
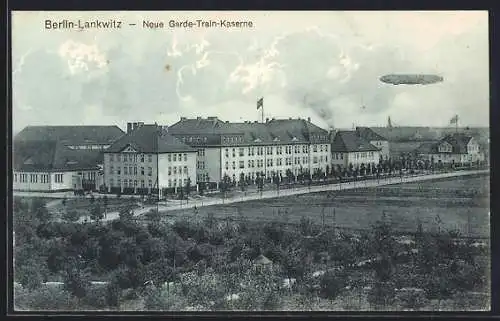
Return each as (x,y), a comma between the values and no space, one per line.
(251,148)
(375,139)
(60,158)
(349,148)
(148,160)
(455,148)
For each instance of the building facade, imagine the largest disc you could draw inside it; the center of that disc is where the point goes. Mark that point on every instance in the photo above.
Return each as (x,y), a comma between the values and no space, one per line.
(452,149)
(348,148)
(376,140)
(276,148)
(149,160)
(60,158)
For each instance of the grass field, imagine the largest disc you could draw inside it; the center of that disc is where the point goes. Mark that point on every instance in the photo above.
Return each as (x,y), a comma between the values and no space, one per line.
(454,202)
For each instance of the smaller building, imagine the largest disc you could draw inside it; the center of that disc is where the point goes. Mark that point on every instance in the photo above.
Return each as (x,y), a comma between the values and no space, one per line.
(148,160)
(375,139)
(456,148)
(348,148)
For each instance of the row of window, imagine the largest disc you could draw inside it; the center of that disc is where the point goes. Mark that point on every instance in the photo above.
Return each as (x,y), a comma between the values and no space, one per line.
(174,170)
(200,164)
(130,157)
(279,162)
(362,155)
(133,183)
(202,177)
(130,170)
(250,151)
(129,183)
(192,139)
(253,175)
(33,178)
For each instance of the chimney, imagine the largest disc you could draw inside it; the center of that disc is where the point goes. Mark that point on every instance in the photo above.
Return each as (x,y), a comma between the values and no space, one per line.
(183,118)
(129,127)
(309,119)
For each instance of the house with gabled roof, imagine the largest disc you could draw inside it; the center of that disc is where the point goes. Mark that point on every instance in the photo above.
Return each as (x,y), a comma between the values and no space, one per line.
(148,159)
(457,148)
(349,148)
(251,149)
(375,139)
(60,158)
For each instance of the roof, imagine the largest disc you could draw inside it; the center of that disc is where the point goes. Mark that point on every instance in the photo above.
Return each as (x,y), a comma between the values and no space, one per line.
(428,133)
(71,135)
(149,139)
(49,155)
(261,259)
(349,141)
(368,134)
(457,141)
(275,131)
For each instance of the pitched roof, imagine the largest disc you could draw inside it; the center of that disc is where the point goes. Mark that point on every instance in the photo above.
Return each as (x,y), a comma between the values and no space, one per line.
(275,131)
(49,155)
(71,135)
(368,134)
(427,133)
(349,141)
(457,141)
(149,139)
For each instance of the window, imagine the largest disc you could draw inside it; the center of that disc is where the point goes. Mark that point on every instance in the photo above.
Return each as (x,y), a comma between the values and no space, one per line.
(119,171)
(227,165)
(180,182)
(150,183)
(175,157)
(142,158)
(124,158)
(326,159)
(142,183)
(150,171)
(315,160)
(170,171)
(234,165)
(175,182)
(175,170)
(119,182)
(241,152)
(185,169)
(321,148)
(125,170)
(234,152)
(135,170)
(279,150)
(227,153)
(111,171)
(249,163)
(135,183)
(269,150)
(169,157)
(185,157)
(169,183)
(315,148)
(180,169)
(180,157)
(142,170)
(130,183)
(15,177)
(201,152)
(130,170)
(58,178)
(341,156)
(150,158)
(185,181)
(130,158)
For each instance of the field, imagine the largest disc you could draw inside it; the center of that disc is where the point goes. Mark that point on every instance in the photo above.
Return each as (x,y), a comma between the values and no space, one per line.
(454,204)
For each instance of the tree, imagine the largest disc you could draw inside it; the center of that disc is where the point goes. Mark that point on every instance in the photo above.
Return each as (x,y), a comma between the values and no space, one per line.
(126,213)
(71,215)
(105,204)
(40,211)
(96,213)
(242,182)
(332,284)
(188,187)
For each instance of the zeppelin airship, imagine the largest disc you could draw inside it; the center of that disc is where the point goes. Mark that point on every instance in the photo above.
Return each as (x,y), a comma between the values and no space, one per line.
(411,79)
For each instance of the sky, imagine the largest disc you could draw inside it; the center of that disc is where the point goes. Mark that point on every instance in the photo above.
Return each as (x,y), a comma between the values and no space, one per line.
(323,65)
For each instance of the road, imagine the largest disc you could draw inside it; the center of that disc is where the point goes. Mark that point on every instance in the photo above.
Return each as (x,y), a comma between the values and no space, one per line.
(207,201)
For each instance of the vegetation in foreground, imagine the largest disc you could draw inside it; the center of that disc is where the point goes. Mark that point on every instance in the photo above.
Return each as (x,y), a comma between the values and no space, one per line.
(206,263)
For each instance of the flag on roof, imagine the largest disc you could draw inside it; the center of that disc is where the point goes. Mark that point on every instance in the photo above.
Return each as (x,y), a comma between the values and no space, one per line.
(260,103)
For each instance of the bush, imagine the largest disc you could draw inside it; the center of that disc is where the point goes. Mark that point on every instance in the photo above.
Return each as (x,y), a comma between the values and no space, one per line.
(332,284)
(412,299)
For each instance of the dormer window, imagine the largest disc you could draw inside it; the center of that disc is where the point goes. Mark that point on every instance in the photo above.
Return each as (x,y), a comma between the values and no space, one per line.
(294,139)
(276,139)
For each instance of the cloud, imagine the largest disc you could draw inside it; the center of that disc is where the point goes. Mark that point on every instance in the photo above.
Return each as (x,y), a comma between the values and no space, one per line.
(329,73)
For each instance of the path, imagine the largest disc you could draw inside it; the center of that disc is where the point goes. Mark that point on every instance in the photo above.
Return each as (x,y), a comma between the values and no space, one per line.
(205,201)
